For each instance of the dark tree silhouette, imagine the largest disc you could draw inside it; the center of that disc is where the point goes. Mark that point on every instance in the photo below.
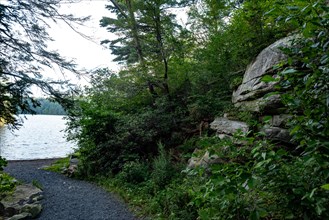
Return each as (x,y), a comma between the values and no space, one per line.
(24,54)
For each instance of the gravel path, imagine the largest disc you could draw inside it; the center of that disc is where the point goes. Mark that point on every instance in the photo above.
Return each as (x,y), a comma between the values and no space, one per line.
(69,199)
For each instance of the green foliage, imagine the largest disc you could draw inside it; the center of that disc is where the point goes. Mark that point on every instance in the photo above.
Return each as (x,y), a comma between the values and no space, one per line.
(112,130)
(59,165)
(37,184)
(134,173)
(256,181)
(163,169)
(3,163)
(184,77)
(253,182)
(306,78)
(173,202)
(7,184)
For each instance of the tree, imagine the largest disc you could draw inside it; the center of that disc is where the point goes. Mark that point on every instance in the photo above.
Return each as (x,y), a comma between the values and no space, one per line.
(146,31)
(24,54)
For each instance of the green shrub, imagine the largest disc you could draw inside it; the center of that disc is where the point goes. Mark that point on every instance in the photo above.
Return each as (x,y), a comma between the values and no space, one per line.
(59,165)
(3,163)
(174,202)
(37,184)
(134,172)
(7,184)
(163,169)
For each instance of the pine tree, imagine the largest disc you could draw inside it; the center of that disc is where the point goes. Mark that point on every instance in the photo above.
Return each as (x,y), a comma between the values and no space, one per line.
(145,31)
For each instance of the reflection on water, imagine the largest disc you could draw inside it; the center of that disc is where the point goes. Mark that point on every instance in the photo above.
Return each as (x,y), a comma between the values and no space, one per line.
(40,137)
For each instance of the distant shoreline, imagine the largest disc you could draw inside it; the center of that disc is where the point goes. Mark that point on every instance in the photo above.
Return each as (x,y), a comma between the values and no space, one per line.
(34,160)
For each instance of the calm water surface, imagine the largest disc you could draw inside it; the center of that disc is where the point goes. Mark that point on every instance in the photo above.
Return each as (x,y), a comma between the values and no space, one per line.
(40,137)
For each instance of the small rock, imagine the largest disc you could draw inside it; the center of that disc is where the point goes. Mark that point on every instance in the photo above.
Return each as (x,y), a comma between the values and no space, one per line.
(37,198)
(71,170)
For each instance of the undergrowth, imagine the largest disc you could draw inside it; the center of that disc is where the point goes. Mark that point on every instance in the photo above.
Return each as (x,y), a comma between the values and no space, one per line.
(7,183)
(59,165)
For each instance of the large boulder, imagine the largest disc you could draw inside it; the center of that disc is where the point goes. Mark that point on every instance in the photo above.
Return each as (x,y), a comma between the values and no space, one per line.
(252,87)
(226,126)
(23,203)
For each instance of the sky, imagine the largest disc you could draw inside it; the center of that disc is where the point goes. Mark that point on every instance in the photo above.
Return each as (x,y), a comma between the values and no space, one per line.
(87,54)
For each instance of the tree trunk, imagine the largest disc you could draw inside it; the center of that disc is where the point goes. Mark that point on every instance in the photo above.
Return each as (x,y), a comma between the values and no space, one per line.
(162,51)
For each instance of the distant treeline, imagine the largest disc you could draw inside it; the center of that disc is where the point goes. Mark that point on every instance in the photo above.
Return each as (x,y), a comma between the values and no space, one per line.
(47,107)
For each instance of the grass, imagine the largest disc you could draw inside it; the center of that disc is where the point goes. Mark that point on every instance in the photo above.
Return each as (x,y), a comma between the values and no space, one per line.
(59,165)
(7,184)
(37,184)
(138,202)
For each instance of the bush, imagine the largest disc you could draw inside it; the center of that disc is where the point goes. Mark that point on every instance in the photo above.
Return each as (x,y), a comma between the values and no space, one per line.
(174,202)
(163,169)
(7,184)
(3,163)
(134,172)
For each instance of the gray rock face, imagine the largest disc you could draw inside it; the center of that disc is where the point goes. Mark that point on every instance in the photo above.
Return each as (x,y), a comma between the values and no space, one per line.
(279,120)
(204,161)
(252,86)
(277,134)
(269,104)
(226,126)
(23,203)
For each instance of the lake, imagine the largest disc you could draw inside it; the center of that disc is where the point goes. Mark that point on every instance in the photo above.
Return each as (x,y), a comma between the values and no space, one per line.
(40,137)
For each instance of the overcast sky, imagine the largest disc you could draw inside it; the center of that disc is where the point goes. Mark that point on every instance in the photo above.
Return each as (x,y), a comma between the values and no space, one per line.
(87,54)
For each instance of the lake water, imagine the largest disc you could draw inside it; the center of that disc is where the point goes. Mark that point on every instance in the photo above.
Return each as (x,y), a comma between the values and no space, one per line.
(40,137)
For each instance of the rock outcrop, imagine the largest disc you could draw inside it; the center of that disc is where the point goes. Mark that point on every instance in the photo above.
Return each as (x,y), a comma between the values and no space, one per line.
(250,95)
(224,125)
(24,203)
(226,128)
(259,97)
(254,94)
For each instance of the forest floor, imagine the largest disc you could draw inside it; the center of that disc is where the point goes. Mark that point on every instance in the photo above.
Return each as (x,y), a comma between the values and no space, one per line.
(66,198)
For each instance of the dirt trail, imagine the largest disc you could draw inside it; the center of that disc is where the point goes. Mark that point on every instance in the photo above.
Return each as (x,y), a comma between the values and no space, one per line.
(69,199)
